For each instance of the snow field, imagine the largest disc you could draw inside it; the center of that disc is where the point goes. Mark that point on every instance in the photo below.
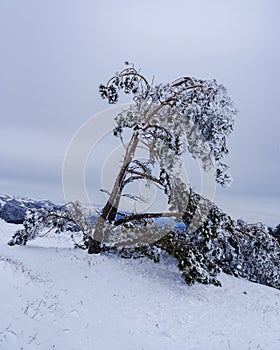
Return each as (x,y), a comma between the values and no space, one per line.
(57,297)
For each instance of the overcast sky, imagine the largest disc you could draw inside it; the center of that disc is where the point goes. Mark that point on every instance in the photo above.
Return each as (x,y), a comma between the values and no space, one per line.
(55,53)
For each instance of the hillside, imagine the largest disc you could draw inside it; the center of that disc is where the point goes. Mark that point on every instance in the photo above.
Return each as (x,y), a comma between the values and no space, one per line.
(55,297)
(13,209)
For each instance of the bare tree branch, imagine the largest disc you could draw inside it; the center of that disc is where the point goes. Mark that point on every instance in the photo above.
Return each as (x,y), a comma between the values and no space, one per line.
(147,216)
(144,175)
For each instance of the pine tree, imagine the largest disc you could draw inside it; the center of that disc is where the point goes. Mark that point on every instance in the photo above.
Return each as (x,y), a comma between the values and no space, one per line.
(188,115)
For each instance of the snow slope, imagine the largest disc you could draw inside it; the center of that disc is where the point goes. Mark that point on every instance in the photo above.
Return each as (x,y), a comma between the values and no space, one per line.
(55,297)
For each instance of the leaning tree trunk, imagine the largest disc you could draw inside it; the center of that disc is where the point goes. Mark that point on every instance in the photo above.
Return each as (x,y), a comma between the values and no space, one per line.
(110,209)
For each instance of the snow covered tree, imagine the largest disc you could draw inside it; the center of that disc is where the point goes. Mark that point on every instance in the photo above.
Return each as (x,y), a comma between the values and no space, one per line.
(188,115)
(168,120)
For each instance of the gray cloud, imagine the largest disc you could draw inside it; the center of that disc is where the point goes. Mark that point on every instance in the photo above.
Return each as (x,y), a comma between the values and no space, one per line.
(55,53)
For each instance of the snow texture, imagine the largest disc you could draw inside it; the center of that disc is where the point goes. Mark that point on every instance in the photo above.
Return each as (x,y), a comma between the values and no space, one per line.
(57,297)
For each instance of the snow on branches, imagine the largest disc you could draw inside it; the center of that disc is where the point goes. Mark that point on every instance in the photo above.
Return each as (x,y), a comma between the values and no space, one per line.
(39,222)
(167,120)
(188,114)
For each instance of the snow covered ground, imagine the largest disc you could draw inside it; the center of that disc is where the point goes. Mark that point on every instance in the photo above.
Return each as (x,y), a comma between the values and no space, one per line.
(55,297)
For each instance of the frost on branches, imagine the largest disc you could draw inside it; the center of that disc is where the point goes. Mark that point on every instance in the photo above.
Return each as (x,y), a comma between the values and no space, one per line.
(40,222)
(167,120)
(188,114)
(220,245)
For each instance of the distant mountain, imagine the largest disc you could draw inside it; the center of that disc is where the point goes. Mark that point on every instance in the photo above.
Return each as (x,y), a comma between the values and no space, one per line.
(13,209)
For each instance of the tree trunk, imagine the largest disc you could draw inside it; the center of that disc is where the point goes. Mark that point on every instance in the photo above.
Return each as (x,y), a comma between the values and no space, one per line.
(110,209)
(94,246)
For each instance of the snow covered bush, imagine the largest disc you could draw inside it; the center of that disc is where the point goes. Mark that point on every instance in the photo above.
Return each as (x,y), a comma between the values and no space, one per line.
(275,232)
(221,244)
(259,256)
(39,222)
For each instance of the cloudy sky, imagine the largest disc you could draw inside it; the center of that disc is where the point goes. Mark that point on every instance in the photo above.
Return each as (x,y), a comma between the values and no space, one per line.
(55,53)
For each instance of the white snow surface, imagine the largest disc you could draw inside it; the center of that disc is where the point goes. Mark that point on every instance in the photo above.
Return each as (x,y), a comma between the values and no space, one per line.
(57,297)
